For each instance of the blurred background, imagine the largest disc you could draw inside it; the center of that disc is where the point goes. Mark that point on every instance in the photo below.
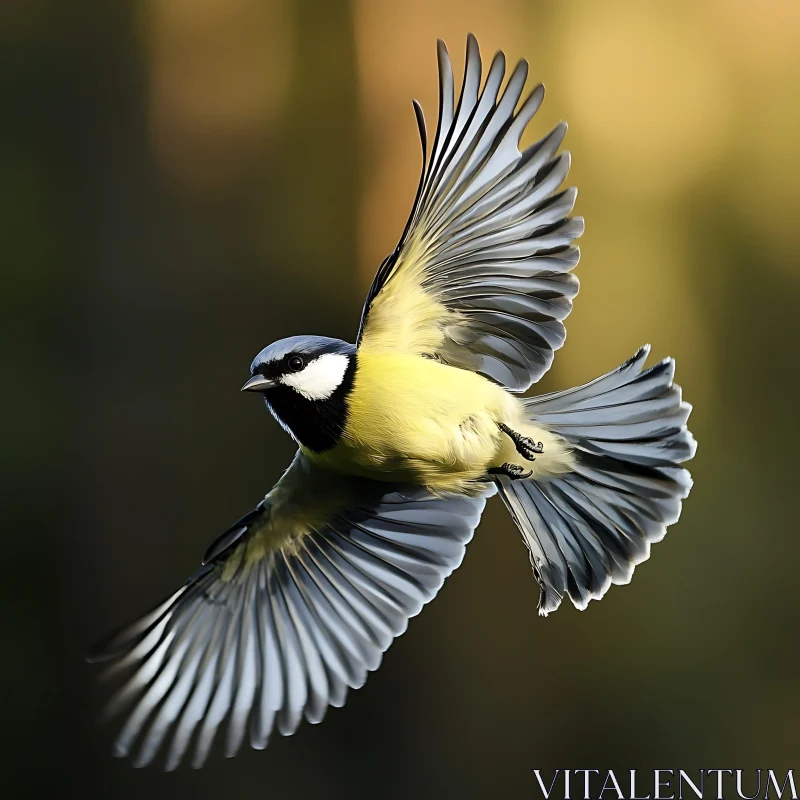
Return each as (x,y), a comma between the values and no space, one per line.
(185,181)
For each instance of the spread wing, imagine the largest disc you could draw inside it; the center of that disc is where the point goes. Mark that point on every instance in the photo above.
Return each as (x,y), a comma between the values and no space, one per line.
(481,276)
(293,606)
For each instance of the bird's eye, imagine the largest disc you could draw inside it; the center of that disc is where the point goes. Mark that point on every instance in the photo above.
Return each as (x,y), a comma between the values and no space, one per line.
(295,363)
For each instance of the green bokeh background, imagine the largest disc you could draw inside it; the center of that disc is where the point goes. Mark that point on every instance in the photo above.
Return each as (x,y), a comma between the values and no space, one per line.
(184,181)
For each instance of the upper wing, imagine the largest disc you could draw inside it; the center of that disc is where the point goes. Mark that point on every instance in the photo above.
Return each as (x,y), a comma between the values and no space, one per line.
(294,604)
(481,276)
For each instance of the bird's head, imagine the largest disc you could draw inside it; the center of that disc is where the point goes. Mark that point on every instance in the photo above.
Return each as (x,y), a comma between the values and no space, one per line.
(311,366)
(305,381)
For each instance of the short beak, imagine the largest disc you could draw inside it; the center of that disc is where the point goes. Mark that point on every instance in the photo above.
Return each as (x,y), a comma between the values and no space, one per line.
(258,383)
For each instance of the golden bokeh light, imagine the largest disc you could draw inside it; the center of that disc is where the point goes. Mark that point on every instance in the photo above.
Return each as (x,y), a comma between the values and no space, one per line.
(647,94)
(760,39)
(219,73)
(765,174)
(389,35)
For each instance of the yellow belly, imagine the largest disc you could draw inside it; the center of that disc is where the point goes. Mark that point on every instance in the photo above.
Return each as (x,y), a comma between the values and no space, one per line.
(417,420)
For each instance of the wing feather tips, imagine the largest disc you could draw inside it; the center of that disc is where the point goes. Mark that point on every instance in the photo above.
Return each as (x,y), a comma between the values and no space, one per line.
(446,99)
(283,637)
(484,202)
(125,637)
(423,131)
(527,111)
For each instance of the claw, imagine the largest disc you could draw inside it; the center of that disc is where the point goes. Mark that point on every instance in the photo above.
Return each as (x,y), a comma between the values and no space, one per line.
(513,471)
(526,447)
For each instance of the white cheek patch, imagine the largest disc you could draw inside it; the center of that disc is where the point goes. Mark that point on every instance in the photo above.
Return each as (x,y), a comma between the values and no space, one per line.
(321,378)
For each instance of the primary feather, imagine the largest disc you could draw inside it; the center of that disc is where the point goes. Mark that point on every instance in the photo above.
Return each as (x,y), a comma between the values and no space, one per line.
(481,277)
(295,605)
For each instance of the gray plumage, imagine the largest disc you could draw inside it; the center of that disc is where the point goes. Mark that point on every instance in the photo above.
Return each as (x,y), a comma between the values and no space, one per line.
(263,643)
(589,528)
(492,227)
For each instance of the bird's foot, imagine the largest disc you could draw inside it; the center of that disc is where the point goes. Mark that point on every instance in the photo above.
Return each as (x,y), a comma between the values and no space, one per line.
(526,447)
(513,471)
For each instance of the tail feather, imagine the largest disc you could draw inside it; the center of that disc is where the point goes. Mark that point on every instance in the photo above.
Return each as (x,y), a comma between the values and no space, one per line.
(589,528)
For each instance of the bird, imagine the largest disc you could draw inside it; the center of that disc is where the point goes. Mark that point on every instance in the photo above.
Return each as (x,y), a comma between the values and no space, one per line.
(402,437)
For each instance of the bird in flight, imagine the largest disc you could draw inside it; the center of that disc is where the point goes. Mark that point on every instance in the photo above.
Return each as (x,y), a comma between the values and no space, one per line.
(401,439)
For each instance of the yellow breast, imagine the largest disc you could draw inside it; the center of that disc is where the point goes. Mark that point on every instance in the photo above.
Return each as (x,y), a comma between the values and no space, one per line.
(413,418)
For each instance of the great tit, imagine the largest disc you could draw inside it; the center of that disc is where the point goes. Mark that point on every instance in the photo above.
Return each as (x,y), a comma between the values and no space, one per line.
(401,439)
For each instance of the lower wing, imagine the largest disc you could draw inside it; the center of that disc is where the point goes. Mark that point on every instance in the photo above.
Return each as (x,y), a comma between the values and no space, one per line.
(295,604)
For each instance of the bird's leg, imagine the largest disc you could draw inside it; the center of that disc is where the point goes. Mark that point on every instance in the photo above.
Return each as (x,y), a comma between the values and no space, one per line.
(513,471)
(526,447)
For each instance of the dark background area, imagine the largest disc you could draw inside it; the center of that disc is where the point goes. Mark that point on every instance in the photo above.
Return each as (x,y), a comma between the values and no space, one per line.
(185,181)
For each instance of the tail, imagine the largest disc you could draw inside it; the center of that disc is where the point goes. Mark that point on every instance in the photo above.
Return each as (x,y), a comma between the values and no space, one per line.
(589,528)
